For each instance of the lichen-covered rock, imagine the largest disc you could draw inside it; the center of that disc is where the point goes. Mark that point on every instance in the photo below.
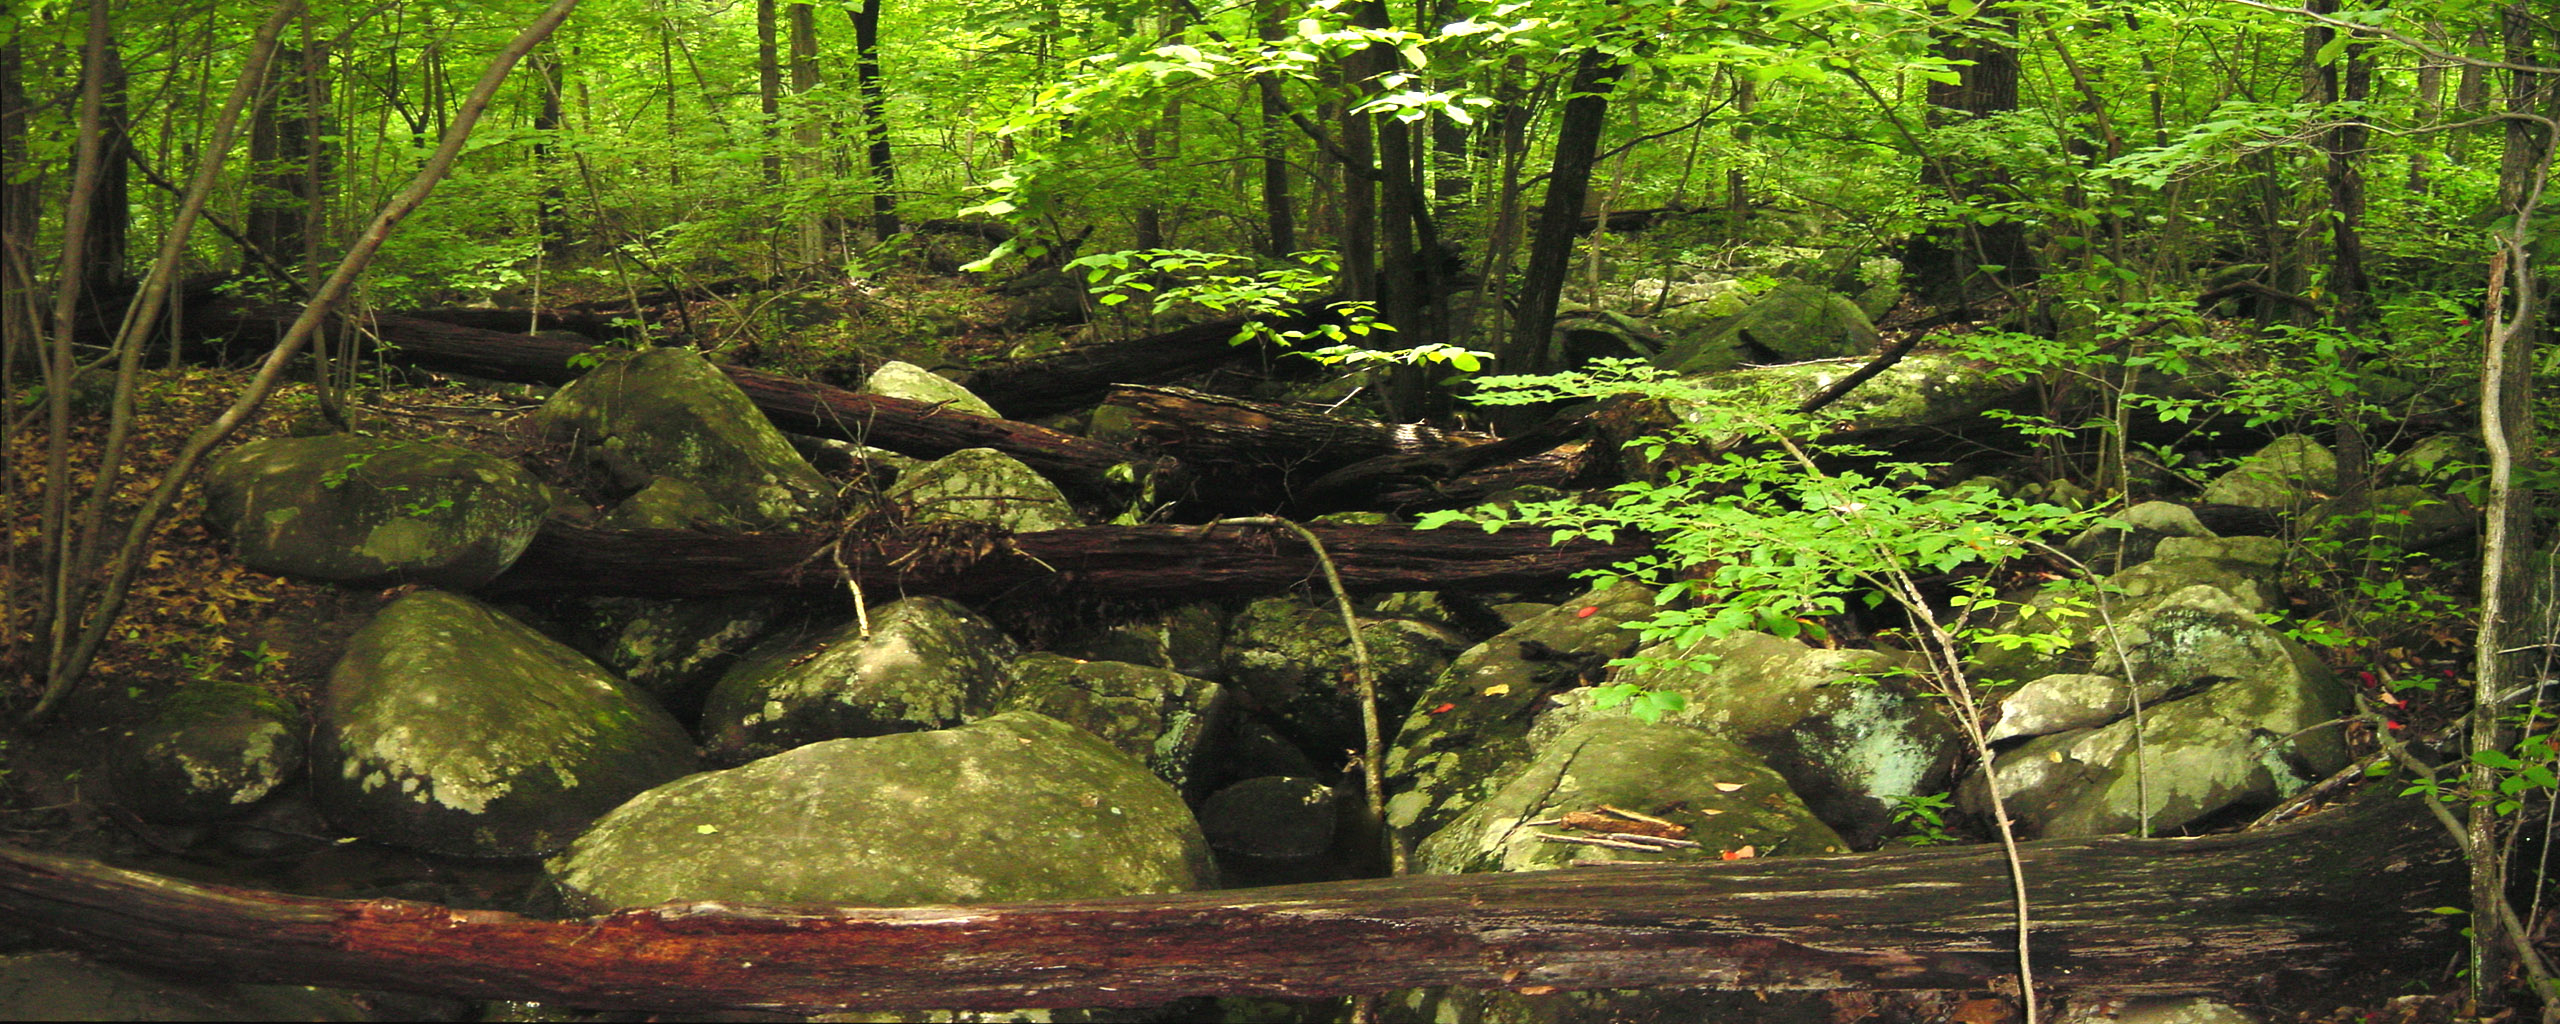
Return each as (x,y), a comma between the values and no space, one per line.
(62,985)
(928,664)
(673,650)
(895,379)
(2284,474)
(1274,817)
(2252,719)
(669,412)
(1724,794)
(1848,729)
(369,511)
(212,752)
(2135,534)
(1190,639)
(451,728)
(1162,718)
(1471,727)
(670,503)
(2063,701)
(1290,661)
(1016,807)
(982,485)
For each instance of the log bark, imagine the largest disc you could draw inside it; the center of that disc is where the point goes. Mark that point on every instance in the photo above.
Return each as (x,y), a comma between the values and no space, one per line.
(1129,562)
(1080,377)
(2310,915)
(921,429)
(1247,455)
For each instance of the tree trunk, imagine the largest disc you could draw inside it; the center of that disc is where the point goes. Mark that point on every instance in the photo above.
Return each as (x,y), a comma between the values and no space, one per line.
(875,119)
(1586,107)
(769,87)
(102,261)
(286,161)
(809,136)
(1081,376)
(1954,264)
(551,209)
(2302,917)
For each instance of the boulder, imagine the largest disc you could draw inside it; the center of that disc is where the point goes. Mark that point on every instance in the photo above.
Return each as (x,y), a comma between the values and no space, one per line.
(2289,473)
(451,728)
(1290,661)
(673,650)
(2134,534)
(369,511)
(61,985)
(1273,818)
(1850,730)
(1016,807)
(1189,639)
(1161,718)
(1722,794)
(213,751)
(928,663)
(1471,727)
(667,412)
(2251,718)
(895,379)
(982,485)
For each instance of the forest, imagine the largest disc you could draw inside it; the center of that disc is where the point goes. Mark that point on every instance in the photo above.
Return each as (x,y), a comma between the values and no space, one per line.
(2120,422)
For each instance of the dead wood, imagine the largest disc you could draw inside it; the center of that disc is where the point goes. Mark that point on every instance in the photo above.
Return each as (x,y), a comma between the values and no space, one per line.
(1080,376)
(1131,562)
(1247,455)
(2309,915)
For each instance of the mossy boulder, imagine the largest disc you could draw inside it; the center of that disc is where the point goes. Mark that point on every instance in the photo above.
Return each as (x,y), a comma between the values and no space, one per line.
(1723,794)
(1290,661)
(370,511)
(2286,474)
(928,663)
(1017,807)
(1162,718)
(982,485)
(895,379)
(452,728)
(667,412)
(213,751)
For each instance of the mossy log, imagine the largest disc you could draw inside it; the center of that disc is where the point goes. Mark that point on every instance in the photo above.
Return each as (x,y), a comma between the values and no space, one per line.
(2309,915)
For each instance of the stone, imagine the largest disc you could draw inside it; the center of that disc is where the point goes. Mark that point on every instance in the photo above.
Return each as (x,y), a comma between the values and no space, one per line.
(1290,661)
(928,663)
(665,412)
(62,985)
(669,503)
(1017,807)
(1189,639)
(2285,474)
(982,485)
(1274,817)
(1159,717)
(369,512)
(1723,794)
(895,379)
(451,728)
(214,751)
(2059,702)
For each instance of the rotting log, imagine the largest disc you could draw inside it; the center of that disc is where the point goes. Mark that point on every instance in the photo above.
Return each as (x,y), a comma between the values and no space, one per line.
(1081,376)
(2308,915)
(1130,562)
(1246,455)
(921,429)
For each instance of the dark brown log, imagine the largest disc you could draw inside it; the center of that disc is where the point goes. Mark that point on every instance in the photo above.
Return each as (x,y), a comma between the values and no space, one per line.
(1079,377)
(1439,478)
(593,326)
(2310,915)
(920,429)
(1247,455)
(1133,562)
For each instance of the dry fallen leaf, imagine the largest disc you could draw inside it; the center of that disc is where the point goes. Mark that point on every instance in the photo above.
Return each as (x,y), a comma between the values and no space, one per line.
(1727,787)
(1497,689)
(1745,853)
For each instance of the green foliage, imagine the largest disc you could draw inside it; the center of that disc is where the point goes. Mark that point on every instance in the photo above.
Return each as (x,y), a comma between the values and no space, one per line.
(1925,816)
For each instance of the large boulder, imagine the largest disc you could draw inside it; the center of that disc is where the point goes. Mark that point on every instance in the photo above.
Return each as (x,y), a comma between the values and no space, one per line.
(370,511)
(2249,717)
(1723,795)
(1290,661)
(982,485)
(926,663)
(1470,729)
(667,412)
(2288,474)
(1162,718)
(895,379)
(1849,730)
(1016,807)
(451,728)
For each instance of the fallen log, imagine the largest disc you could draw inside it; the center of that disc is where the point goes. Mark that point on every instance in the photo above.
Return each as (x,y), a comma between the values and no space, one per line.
(1245,455)
(1081,376)
(2310,915)
(921,429)
(1132,562)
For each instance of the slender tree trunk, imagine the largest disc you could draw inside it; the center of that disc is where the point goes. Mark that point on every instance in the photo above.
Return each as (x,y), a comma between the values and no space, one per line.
(769,88)
(551,210)
(2429,102)
(818,225)
(2348,79)
(102,261)
(1957,263)
(875,119)
(286,164)
(1586,108)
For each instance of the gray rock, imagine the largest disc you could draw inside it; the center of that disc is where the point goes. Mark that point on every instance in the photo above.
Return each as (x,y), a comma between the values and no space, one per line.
(1016,807)
(2060,702)
(366,511)
(1161,718)
(1796,322)
(670,503)
(1723,793)
(673,650)
(982,485)
(2259,722)
(2410,517)
(1189,639)
(212,752)
(2263,552)
(2110,547)
(2284,474)
(1275,817)
(896,379)
(928,664)
(1291,662)
(1848,729)
(58,985)
(1470,729)
(451,728)
(669,412)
